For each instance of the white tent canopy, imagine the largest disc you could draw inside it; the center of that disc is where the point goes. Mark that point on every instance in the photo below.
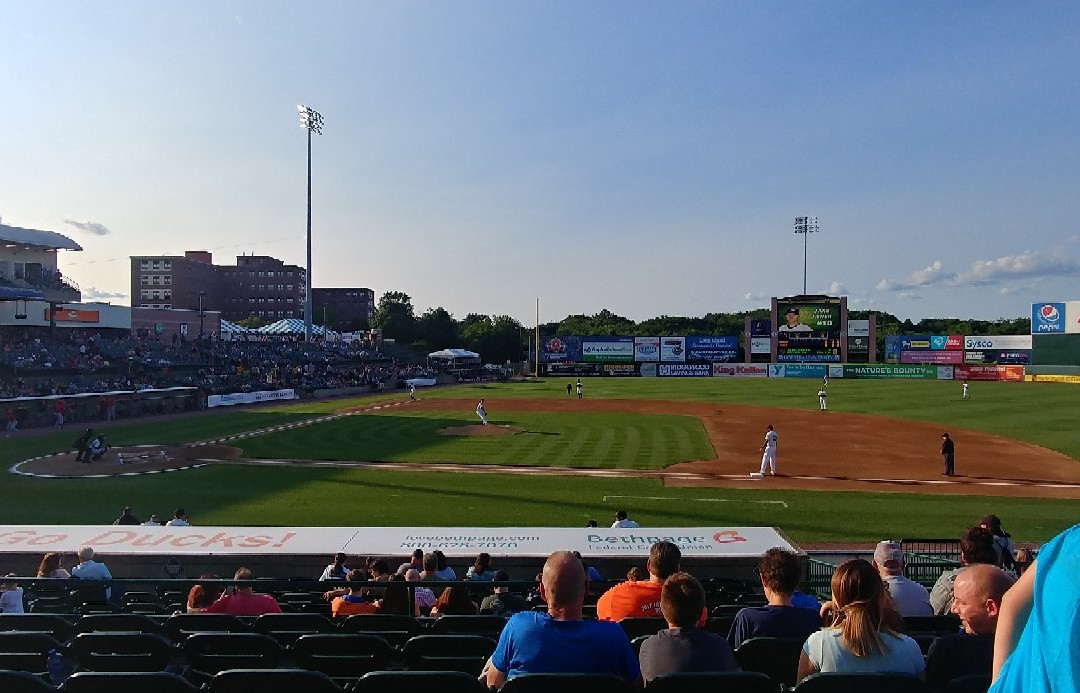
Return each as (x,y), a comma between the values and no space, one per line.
(447,354)
(292,326)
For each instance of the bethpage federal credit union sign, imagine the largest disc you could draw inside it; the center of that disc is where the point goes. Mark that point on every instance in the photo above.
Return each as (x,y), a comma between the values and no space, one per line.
(389,541)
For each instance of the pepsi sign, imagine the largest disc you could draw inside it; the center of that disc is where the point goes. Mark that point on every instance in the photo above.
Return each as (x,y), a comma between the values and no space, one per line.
(1047,318)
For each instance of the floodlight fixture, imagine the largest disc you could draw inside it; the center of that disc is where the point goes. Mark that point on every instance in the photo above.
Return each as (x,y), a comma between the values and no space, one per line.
(312,121)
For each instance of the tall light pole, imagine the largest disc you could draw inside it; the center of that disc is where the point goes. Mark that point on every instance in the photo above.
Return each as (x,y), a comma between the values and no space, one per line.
(311,121)
(805,226)
(202,294)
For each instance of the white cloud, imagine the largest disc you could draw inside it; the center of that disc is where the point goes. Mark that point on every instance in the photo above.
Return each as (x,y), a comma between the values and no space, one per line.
(91,227)
(1031,265)
(835,289)
(750,296)
(94,294)
(1006,291)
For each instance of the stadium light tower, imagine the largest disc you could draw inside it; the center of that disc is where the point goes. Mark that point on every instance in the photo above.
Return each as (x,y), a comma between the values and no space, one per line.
(311,121)
(805,226)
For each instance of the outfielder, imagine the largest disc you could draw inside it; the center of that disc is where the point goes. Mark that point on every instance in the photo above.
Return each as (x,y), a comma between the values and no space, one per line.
(768,449)
(821,395)
(967,394)
(481,412)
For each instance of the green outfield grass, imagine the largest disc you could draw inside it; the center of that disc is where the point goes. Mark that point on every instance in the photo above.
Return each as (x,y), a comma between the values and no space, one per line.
(1037,412)
(621,441)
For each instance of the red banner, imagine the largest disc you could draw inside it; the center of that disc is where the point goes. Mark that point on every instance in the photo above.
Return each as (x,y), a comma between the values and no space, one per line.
(954,342)
(74,315)
(1009,373)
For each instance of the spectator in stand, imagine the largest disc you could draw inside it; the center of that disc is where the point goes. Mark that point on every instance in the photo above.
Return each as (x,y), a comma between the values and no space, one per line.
(502,602)
(481,569)
(865,635)
(455,601)
(89,569)
(126,518)
(416,561)
(909,597)
(1038,631)
(199,597)
(1003,544)
(443,571)
(642,598)
(683,647)
(154,521)
(559,640)
(396,598)
(1024,559)
(976,546)
(59,410)
(780,573)
(11,597)
(336,570)
(622,522)
(978,591)
(244,601)
(179,519)
(50,567)
(11,419)
(354,602)
(635,574)
(594,574)
(424,597)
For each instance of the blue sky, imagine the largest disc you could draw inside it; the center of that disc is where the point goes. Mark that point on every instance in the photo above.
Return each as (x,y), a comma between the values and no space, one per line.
(645,157)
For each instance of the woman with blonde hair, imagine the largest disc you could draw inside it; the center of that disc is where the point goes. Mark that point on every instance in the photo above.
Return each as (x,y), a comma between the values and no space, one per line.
(865,633)
(50,567)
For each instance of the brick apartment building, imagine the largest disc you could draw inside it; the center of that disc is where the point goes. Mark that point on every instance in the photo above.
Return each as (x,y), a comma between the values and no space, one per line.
(343,310)
(256,286)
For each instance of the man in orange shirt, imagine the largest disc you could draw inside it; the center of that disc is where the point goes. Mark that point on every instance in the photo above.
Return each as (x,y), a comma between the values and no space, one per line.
(642,598)
(353,602)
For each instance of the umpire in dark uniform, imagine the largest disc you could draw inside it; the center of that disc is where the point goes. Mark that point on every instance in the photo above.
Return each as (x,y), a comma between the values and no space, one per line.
(947,454)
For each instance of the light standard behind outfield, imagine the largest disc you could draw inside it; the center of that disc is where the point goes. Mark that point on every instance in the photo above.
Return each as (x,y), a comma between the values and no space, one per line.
(311,121)
(803,225)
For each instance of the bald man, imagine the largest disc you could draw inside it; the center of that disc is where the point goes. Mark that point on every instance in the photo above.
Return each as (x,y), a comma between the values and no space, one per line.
(559,641)
(977,594)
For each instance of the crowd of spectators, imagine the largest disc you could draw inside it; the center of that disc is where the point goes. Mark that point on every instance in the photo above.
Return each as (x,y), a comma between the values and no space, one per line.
(1010,627)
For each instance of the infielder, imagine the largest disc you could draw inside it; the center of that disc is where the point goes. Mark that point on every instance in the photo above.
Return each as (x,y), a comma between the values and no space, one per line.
(966,394)
(579,388)
(412,392)
(821,395)
(768,449)
(481,412)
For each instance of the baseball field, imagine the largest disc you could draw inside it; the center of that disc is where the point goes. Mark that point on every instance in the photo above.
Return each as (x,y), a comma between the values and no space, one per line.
(672,452)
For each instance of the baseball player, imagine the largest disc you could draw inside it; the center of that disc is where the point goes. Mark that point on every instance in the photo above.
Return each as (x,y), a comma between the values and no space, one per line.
(569,390)
(579,388)
(825,381)
(966,393)
(768,449)
(821,395)
(481,412)
(412,392)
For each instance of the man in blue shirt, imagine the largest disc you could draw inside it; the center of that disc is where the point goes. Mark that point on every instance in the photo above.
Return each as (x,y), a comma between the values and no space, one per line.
(89,569)
(559,641)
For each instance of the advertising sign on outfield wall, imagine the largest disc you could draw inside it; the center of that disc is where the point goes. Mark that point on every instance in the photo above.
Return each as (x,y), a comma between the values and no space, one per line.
(555,349)
(949,357)
(712,348)
(1010,373)
(646,349)
(1048,318)
(1072,317)
(607,349)
(760,345)
(894,371)
(797,370)
(1010,342)
(684,370)
(672,349)
(620,369)
(858,328)
(760,328)
(740,370)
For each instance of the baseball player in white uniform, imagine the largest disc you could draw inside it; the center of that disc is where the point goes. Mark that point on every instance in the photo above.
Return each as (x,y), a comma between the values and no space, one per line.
(821,395)
(768,449)
(966,393)
(412,392)
(481,412)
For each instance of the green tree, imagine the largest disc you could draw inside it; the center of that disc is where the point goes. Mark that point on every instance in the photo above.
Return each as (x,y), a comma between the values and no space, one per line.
(394,316)
(437,329)
(497,339)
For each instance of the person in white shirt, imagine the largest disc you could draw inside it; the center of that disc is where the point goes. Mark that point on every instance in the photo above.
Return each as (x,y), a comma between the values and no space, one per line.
(768,453)
(336,570)
(621,521)
(909,597)
(89,569)
(11,597)
(481,412)
(179,519)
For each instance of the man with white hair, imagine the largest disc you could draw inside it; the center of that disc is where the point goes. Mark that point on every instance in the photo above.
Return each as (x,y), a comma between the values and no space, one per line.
(911,598)
(89,569)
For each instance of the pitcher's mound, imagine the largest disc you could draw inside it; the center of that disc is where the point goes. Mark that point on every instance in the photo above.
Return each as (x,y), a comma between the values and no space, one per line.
(479,430)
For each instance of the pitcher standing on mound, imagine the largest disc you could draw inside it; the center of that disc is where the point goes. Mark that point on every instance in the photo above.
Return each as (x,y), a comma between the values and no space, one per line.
(481,412)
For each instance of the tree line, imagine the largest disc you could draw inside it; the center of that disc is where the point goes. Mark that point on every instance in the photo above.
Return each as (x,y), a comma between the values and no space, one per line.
(501,338)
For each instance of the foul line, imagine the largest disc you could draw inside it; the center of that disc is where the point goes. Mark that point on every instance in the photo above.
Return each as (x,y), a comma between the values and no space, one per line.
(699,500)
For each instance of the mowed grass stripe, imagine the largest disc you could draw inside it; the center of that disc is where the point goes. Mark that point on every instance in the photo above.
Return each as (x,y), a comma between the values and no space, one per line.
(547,439)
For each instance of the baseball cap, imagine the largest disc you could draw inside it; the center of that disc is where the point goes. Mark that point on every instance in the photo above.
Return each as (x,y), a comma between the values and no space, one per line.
(888,551)
(792,311)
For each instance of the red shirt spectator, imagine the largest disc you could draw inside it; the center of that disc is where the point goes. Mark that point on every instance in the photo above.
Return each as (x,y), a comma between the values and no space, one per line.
(244,601)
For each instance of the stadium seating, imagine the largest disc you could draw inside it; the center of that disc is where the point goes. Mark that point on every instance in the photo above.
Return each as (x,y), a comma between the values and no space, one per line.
(248,680)
(642,626)
(418,682)
(286,628)
(341,656)
(728,682)
(210,653)
(23,682)
(467,653)
(126,682)
(568,683)
(777,658)
(109,651)
(26,651)
(859,683)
